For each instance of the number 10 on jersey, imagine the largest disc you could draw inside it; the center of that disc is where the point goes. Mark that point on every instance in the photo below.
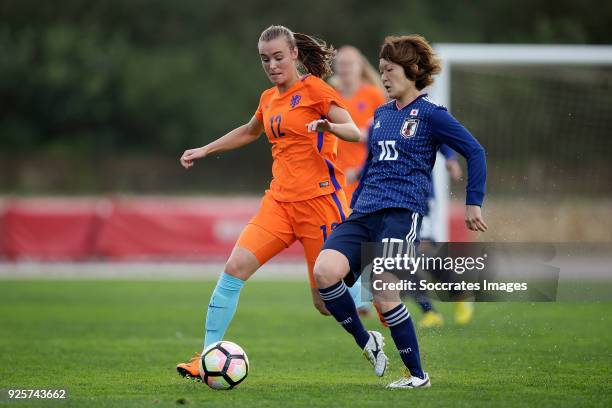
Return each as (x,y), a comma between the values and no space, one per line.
(387,150)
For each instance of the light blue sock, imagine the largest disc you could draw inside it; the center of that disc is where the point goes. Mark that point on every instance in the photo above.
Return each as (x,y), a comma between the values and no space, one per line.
(355,291)
(222,306)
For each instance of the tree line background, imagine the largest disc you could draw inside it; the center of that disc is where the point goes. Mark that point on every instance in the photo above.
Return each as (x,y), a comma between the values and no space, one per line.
(100,97)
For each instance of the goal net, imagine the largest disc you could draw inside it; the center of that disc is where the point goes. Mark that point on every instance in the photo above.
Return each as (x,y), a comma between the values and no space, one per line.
(543,114)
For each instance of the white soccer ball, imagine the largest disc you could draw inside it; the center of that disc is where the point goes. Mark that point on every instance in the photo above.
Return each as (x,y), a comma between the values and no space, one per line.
(223,365)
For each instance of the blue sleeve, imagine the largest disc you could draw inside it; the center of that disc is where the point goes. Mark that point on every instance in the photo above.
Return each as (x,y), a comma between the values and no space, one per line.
(445,129)
(447,152)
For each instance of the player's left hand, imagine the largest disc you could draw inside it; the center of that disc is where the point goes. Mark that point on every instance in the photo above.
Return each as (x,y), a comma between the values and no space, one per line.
(318,302)
(319,125)
(473,218)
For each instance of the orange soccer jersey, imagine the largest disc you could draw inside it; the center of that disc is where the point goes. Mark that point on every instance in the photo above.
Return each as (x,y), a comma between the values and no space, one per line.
(361,107)
(303,166)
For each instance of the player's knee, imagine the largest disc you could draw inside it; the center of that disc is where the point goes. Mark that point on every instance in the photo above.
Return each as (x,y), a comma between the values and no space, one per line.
(238,267)
(321,273)
(233,267)
(326,272)
(385,303)
(241,264)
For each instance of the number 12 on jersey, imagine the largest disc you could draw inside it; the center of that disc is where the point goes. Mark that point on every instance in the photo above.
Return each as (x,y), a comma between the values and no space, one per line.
(277,133)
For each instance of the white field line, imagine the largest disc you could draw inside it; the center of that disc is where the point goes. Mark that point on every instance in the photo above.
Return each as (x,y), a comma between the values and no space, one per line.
(294,271)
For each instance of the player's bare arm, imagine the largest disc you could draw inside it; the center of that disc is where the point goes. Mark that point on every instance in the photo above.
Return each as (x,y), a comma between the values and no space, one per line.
(238,137)
(340,124)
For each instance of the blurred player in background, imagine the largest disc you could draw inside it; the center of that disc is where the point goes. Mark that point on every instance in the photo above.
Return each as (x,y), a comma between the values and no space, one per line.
(362,92)
(392,198)
(300,115)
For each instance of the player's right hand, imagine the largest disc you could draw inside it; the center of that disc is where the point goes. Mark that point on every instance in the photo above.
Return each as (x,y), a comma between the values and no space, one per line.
(190,155)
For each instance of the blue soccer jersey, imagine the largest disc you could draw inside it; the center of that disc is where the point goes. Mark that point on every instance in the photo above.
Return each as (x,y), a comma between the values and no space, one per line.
(402,152)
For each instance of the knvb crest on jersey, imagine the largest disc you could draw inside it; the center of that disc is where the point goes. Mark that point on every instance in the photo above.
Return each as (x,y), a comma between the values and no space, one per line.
(295,99)
(409,127)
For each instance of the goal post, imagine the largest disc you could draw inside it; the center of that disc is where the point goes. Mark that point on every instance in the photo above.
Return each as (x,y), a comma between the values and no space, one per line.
(480,55)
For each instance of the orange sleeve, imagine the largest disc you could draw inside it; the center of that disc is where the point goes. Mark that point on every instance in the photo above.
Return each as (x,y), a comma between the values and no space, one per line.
(324,95)
(259,112)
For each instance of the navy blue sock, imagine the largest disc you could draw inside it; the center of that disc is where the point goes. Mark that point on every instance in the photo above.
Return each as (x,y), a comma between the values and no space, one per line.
(404,336)
(340,304)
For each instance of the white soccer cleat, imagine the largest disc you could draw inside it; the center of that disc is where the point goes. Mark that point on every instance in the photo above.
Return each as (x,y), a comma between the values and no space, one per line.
(373,352)
(409,381)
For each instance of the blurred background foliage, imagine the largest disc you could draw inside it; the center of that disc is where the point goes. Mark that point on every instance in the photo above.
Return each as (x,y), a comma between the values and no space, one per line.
(99,97)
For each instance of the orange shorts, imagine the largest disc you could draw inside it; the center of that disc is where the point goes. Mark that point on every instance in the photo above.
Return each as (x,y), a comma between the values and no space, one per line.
(278,224)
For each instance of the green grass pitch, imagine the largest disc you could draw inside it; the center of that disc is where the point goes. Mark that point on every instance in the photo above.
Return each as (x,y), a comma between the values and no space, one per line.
(116,343)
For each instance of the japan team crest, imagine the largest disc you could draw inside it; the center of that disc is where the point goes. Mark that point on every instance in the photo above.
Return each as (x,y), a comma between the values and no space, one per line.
(409,127)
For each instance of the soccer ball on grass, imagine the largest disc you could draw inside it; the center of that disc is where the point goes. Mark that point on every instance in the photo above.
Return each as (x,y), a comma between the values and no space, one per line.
(223,365)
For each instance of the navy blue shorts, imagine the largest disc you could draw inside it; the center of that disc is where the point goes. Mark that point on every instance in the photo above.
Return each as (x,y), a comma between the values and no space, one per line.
(390,224)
